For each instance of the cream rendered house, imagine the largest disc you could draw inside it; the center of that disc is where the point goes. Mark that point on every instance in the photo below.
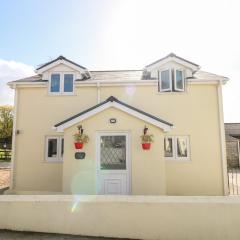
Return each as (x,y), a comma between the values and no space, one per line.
(180,105)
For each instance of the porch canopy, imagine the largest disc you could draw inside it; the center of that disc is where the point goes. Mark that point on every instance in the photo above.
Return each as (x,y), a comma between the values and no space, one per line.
(113,102)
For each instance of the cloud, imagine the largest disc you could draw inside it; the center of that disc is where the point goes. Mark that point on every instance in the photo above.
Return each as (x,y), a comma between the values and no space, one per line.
(9,71)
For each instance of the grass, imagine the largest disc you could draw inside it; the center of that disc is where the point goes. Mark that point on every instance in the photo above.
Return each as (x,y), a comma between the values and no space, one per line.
(5,155)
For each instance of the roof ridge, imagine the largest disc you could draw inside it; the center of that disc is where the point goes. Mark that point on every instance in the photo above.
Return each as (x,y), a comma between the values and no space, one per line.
(121,70)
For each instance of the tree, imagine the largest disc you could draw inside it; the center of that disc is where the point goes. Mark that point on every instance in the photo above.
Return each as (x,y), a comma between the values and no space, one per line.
(6,122)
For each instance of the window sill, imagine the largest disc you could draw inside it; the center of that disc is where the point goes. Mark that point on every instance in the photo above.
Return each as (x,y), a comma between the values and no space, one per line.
(188,160)
(53,161)
(61,94)
(174,93)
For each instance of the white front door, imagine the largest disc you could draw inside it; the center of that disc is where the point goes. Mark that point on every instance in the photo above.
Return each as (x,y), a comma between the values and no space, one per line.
(113,163)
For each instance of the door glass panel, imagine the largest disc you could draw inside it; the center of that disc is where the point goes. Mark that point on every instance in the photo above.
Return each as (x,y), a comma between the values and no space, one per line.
(113,152)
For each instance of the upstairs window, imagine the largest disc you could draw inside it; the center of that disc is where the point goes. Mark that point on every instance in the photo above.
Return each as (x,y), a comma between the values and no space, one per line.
(61,83)
(171,80)
(165,81)
(179,80)
(68,82)
(55,83)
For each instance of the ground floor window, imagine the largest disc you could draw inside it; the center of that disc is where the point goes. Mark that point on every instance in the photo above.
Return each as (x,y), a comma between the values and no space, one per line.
(54,148)
(176,148)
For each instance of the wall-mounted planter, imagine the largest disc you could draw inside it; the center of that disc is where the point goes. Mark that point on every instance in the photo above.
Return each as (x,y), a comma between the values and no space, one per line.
(78,145)
(146,146)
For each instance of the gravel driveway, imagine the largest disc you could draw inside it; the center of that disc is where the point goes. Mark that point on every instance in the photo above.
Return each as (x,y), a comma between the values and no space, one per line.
(7,235)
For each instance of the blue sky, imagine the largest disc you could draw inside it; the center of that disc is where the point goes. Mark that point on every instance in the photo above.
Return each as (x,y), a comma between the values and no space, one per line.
(121,34)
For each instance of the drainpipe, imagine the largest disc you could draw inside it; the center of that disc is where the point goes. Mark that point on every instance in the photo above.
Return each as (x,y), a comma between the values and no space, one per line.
(223,142)
(14,136)
(98,92)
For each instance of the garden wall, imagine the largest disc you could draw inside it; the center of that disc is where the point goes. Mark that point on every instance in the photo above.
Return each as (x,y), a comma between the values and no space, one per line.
(148,217)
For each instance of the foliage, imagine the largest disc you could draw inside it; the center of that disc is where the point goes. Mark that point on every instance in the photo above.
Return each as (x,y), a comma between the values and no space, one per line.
(146,138)
(80,136)
(6,121)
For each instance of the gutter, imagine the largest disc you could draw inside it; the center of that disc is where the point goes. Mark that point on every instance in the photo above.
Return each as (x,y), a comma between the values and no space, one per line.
(222,138)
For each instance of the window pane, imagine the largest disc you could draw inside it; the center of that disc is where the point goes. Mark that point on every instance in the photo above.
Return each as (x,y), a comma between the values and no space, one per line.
(179,79)
(182,150)
(68,82)
(165,79)
(113,152)
(52,148)
(55,83)
(168,147)
(62,147)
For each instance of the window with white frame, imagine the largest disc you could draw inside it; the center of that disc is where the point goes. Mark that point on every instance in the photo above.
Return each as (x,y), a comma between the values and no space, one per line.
(61,83)
(54,148)
(171,80)
(176,148)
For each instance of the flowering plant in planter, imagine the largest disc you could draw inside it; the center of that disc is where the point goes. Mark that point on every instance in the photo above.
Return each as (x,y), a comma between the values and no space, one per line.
(80,138)
(147,139)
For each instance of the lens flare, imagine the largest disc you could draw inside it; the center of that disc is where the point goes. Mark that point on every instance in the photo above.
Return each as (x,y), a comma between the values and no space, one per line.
(130,90)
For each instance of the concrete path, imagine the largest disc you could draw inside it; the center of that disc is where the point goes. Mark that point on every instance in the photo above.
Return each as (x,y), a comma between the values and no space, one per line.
(5,165)
(4,178)
(7,235)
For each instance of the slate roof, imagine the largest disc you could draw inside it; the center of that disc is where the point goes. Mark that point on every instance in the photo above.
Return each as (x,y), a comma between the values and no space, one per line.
(232,131)
(126,75)
(35,78)
(113,99)
(117,75)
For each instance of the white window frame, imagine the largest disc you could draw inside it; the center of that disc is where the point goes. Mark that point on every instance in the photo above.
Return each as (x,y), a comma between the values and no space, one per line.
(172,146)
(174,143)
(61,92)
(170,79)
(175,80)
(68,93)
(50,83)
(58,158)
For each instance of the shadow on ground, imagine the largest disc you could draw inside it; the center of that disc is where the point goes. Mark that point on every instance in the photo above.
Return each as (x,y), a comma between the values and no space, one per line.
(14,235)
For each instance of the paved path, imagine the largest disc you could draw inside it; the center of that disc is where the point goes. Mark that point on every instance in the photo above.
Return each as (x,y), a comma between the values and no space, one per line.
(4,177)
(5,165)
(7,235)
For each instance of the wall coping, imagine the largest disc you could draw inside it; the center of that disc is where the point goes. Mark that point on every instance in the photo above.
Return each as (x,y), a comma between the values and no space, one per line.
(124,199)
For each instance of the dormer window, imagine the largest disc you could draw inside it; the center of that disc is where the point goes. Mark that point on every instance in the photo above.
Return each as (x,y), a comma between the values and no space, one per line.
(55,83)
(171,80)
(61,83)
(68,82)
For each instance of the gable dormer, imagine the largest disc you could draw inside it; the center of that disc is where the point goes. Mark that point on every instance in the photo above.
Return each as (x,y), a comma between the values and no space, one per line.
(61,74)
(172,73)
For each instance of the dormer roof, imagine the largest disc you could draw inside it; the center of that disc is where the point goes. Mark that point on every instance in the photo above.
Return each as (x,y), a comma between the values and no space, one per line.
(174,57)
(113,102)
(59,60)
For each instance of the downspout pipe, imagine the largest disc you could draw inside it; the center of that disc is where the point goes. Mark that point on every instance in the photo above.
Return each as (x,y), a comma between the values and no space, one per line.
(98,92)
(15,112)
(222,138)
